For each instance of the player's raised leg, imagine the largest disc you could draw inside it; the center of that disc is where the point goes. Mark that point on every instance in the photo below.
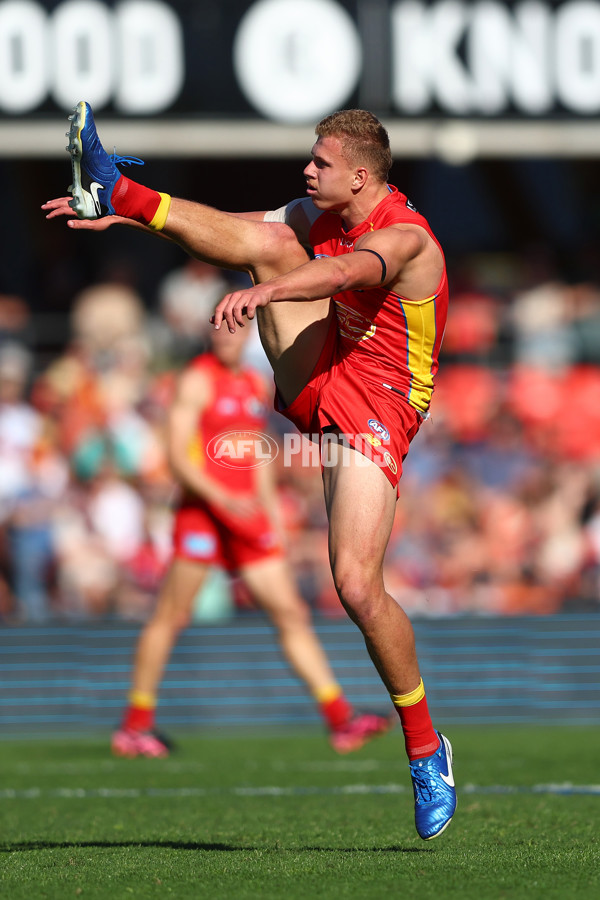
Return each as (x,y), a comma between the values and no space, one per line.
(292,333)
(137,735)
(273,589)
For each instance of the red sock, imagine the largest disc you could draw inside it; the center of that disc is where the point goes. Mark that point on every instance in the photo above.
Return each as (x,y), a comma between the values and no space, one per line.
(138,719)
(135,201)
(420,737)
(336,711)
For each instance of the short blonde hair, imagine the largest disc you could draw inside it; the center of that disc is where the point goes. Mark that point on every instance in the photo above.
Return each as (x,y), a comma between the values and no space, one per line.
(364,139)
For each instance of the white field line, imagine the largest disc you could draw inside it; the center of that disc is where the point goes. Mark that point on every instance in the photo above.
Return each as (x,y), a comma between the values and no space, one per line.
(172,766)
(35,793)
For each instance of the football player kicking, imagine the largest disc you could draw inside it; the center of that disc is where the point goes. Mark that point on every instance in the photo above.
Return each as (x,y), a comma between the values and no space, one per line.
(353,337)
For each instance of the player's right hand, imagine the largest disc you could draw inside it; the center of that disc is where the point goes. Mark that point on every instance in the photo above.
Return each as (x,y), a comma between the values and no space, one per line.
(233,307)
(60,207)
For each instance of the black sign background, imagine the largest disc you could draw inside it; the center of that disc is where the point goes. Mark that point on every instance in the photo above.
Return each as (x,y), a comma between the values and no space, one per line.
(211,89)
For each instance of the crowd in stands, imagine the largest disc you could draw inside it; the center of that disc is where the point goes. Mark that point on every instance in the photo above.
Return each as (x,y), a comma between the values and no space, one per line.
(499,509)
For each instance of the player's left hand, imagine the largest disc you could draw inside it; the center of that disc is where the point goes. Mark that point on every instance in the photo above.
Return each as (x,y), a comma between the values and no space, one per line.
(60,207)
(233,307)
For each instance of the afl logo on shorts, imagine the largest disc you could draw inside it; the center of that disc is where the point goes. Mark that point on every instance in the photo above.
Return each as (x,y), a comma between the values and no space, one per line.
(379,429)
(391,462)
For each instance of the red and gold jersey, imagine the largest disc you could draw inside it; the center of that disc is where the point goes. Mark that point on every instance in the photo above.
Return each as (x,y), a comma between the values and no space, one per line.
(230,428)
(385,338)
(228,440)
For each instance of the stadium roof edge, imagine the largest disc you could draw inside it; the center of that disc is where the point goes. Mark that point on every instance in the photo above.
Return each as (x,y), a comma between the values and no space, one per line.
(454,141)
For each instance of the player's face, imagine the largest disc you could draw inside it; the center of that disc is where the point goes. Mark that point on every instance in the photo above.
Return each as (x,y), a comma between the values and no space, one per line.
(329,176)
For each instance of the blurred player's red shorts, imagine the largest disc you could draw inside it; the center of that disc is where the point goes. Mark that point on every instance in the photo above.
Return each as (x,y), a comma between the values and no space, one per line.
(200,536)
(377,422)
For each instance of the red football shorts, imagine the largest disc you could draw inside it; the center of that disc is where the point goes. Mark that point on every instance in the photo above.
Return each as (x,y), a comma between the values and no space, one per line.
(377,422)
(200,536)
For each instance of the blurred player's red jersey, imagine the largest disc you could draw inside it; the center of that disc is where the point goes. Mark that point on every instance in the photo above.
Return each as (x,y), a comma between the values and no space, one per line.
(228,438)
(231,426)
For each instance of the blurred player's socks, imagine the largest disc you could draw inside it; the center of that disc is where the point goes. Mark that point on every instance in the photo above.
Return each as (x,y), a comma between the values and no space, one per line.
(139,715)
(135,201)
(333,706)
(420,737)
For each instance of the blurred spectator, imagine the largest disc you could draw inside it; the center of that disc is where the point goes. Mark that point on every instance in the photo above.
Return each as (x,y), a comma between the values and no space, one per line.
(106,363)
(472,329)
(15,319)
(105,317)
(101,396)
(542,333)
(586,323)
(32,477)
(187,297)
(111,539)
(467,398)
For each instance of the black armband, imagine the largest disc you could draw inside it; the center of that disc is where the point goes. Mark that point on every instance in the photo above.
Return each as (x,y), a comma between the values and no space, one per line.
(379,257)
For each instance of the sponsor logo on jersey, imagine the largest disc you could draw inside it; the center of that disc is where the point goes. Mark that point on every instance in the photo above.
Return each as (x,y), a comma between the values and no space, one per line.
(379,429)
(352,324)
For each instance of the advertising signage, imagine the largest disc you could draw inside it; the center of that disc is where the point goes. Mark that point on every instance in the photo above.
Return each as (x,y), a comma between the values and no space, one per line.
(292,61)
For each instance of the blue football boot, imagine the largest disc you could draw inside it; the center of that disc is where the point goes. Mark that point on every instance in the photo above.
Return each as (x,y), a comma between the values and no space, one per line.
(433,785)
(95,172)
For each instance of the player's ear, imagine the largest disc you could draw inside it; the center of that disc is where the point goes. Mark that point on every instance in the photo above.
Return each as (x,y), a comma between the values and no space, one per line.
(360,178)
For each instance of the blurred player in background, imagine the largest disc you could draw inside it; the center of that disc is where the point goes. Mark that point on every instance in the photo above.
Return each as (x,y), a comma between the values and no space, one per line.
(227,516)
(359,369)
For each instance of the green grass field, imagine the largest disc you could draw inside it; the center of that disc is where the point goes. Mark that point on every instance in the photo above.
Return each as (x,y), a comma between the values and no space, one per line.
(272,816)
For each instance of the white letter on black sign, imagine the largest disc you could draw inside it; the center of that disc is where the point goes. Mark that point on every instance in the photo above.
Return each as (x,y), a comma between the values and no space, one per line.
(426,65)
(577,30)
(509,57)
(151,70)
(297,60)
(23,56)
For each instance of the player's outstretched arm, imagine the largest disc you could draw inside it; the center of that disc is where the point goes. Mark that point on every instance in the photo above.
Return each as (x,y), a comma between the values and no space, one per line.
(314,280)
(382,258)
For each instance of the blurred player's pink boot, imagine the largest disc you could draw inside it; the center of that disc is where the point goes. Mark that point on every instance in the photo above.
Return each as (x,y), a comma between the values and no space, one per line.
(361,728)
(130,743)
